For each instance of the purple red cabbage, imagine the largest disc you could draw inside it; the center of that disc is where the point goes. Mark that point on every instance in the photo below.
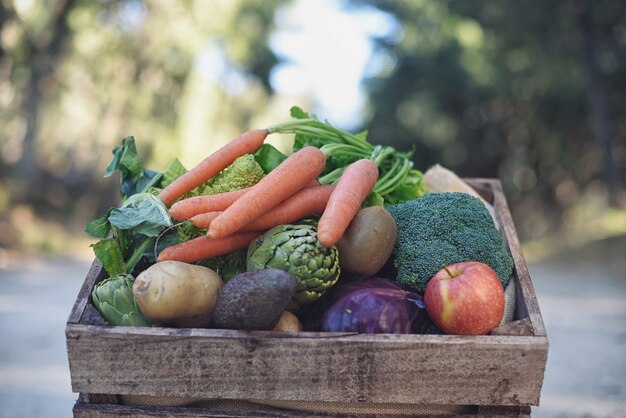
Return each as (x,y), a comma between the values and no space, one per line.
(370,305)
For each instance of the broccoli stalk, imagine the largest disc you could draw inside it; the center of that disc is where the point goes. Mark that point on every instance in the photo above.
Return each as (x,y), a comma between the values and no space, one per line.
(439,229)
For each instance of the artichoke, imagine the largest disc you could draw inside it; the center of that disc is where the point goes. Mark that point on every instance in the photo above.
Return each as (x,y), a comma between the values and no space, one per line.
(295,249)
(114,299)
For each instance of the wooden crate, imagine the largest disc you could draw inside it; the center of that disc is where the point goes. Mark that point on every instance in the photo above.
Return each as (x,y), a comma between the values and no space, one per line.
(476,373)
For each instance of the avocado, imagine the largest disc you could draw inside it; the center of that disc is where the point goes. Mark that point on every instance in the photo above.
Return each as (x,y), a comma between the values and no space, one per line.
(254,300)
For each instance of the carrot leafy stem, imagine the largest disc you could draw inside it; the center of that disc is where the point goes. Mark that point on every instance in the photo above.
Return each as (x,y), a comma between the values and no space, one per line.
(398,180)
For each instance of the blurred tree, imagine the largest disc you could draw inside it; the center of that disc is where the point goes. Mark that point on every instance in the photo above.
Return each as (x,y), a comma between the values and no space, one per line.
(76,76)
(41,51)
(529,92)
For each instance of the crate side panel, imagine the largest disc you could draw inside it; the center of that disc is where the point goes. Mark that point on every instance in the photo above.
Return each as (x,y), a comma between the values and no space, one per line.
(491,371)
(86,410)
(525,286)
(95,274)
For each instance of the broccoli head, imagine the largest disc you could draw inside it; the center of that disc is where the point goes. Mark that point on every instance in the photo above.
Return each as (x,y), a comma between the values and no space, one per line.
(439,229)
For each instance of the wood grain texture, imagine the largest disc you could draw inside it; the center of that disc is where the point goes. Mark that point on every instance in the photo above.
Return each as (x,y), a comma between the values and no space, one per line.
(526,289)
(493,411)
(86,410)
(433,369)
(95,273)
(98,398)
(519,327)
(346,367)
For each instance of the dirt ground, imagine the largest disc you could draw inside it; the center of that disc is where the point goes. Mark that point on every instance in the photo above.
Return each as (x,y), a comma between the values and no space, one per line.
(582,297)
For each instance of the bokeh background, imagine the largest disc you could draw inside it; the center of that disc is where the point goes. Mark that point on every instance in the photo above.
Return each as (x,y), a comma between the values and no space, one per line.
(533,93)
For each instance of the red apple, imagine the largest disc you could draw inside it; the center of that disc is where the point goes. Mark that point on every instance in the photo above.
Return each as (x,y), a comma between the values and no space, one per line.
(465,298)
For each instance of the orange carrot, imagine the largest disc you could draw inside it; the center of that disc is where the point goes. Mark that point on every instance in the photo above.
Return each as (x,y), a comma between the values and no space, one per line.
(290,176)
(247,143)
(205,247)
(187,208)
(312,183)
(353,186)
(203,220)
(309,201)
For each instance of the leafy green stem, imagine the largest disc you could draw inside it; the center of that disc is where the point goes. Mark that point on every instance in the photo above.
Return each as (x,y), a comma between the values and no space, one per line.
(380,154)
(139,251)
(344,149)
(397,180)
(332,177)
(389,184)
(312,126)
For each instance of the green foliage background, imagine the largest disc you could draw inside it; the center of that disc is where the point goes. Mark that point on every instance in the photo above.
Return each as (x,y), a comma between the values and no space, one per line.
(530,92)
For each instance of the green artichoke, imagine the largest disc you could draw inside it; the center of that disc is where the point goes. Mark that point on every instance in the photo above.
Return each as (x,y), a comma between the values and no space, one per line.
(295,249)
(114,299)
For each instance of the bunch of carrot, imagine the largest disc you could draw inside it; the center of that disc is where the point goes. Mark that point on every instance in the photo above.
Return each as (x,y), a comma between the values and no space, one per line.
(286,194)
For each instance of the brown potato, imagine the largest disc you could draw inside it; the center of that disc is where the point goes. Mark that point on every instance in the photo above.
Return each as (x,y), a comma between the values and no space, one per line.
(177,293)
(288,322)
(368,241)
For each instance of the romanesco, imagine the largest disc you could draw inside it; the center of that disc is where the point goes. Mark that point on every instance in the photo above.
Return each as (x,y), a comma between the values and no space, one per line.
(439,229)
(227,265)
(243,172)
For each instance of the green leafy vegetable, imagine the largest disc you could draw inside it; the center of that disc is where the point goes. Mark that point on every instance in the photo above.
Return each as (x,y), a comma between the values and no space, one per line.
(143,213)
(268,157)
(412,186)
(374,199)
(126,233)
(109,253)
(134,227)
(174,170)
(99,227)
(133,177)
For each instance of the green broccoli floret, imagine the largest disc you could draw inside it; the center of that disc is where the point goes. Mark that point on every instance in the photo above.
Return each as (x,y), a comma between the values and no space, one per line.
(439,229)
(243,172)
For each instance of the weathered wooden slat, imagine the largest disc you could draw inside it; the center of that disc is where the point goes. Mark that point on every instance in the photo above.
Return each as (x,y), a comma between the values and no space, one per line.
(519,327)
(435,369)
(526,289)
(483,187)
(83,410)
(83,294)
(503,411)
(98,398)
(86,410)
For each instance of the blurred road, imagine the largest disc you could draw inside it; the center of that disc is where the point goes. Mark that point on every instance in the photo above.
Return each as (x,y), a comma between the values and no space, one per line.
(36,296)
(582,298)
